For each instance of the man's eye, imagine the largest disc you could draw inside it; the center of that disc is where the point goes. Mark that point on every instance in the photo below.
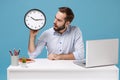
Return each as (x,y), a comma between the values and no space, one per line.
(59,20)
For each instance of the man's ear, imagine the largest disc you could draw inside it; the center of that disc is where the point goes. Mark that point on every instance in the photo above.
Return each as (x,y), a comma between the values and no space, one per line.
(67,23)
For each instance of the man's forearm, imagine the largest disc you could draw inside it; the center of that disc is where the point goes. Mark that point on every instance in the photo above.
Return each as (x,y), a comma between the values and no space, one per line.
(31,46)
(69,56)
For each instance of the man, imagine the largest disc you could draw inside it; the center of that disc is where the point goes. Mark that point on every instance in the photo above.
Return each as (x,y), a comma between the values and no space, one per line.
(63,41)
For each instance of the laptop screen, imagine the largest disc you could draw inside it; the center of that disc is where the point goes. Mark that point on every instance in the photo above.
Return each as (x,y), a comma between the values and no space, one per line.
(101,52)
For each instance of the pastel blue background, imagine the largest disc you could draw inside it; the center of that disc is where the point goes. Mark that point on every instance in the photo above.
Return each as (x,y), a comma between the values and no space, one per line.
(97,19)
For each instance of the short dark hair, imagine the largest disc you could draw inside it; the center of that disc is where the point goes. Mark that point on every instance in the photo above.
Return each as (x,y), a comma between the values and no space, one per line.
(69,13)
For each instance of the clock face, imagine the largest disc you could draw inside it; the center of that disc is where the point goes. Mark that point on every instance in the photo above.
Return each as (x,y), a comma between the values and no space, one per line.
(35,19)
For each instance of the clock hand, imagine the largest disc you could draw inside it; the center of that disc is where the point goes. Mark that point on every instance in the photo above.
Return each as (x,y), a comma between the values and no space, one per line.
(36,19)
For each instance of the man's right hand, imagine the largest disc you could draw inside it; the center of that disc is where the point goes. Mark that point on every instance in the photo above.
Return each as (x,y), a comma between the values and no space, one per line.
(33,33)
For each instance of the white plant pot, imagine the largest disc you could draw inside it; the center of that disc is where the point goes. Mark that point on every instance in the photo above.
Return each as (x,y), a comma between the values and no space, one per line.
(24,65)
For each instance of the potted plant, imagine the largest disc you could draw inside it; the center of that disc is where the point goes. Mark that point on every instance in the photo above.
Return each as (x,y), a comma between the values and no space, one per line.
(23,62)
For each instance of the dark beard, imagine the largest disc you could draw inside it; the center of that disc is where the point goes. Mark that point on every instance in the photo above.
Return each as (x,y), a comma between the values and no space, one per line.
(59,29)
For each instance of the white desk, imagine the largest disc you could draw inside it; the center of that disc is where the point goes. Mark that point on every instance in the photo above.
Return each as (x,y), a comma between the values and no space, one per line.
(44,69)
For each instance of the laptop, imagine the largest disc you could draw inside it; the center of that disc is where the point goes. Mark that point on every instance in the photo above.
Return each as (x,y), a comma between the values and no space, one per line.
(102,52)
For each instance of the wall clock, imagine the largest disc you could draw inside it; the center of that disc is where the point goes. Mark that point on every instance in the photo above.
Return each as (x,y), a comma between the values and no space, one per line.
(35,19)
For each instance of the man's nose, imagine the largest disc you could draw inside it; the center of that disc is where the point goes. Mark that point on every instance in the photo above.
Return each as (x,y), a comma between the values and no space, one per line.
(55,21)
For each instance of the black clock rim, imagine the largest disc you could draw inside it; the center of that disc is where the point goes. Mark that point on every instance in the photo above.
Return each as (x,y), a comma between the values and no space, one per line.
(36,10)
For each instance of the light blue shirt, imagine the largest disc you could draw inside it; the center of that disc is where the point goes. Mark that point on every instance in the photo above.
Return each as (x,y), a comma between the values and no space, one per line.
(70,41)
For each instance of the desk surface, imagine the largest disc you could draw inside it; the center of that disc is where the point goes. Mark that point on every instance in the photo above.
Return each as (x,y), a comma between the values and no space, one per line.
(56,65)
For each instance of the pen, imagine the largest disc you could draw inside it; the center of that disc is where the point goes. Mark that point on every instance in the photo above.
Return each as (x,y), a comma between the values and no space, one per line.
(15,52)
(18,51)
(11,53)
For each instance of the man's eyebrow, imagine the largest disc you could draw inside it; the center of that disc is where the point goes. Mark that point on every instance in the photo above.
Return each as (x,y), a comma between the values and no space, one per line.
(58,19)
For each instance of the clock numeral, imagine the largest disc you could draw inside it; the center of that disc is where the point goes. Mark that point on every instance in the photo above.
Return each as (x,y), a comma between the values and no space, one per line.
(28,24)
(30,12)
(35,27)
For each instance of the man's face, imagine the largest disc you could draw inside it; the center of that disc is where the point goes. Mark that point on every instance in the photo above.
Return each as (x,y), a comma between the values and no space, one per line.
(59,22)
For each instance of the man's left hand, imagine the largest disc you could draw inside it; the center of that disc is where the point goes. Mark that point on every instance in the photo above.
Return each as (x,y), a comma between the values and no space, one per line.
(54,57)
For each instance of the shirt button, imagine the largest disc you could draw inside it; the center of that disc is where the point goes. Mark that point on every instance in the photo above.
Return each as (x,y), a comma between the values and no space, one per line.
(60,42)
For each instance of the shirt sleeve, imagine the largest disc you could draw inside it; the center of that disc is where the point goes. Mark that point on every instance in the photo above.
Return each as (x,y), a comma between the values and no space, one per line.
(78,45)
(39,47)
